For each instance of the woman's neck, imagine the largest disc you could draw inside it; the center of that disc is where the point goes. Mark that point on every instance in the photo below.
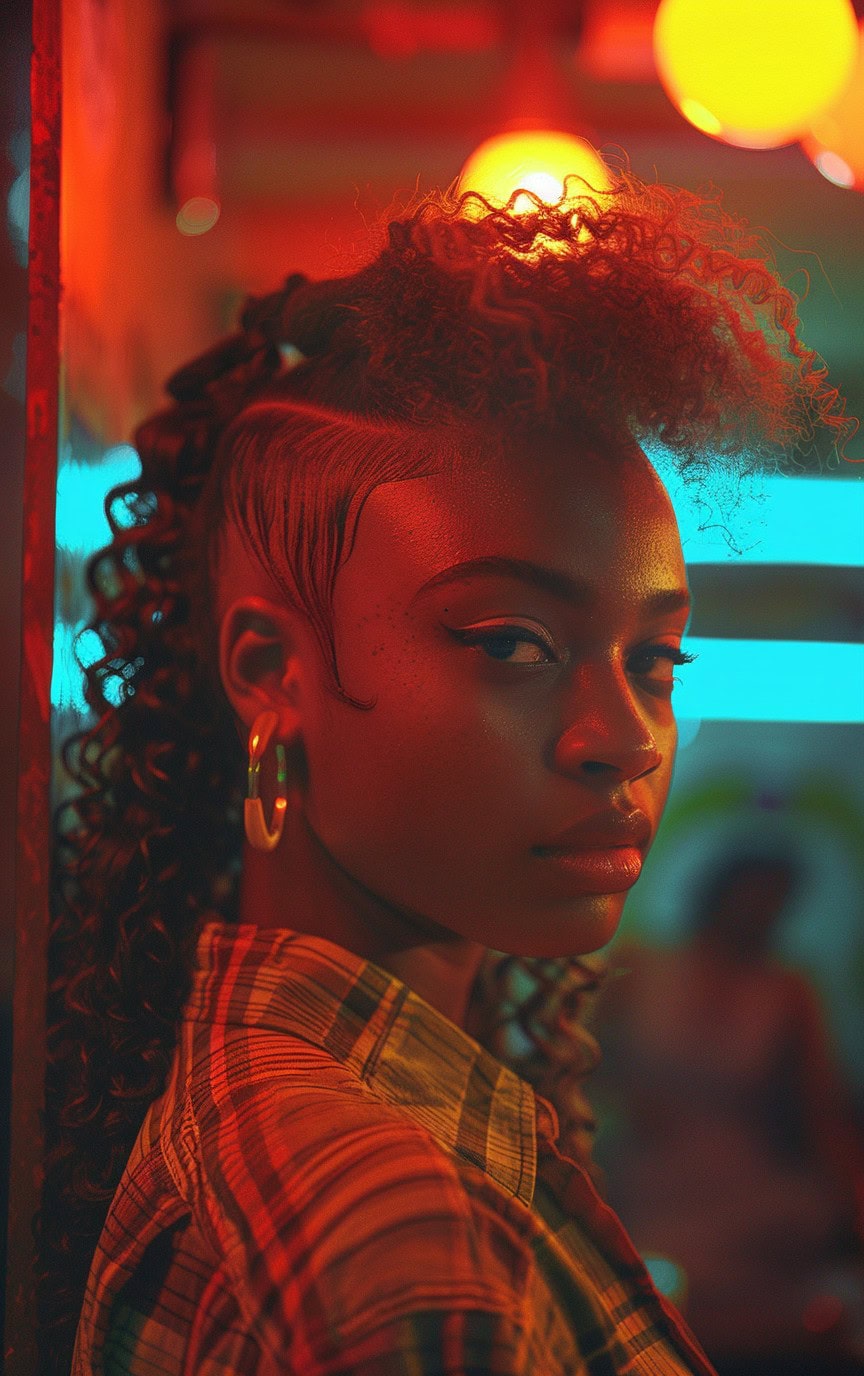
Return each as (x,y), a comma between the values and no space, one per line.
(299,885)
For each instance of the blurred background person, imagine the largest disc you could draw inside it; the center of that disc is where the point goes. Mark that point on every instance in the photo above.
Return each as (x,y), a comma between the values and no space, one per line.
(730,1145)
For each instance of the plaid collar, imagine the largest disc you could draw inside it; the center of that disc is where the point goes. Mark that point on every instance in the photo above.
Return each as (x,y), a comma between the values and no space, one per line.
(403,1050)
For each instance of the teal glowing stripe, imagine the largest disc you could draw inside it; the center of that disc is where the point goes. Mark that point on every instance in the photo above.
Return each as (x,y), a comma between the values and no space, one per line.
(81,525)
(793,521)
(67,677)
(771,680)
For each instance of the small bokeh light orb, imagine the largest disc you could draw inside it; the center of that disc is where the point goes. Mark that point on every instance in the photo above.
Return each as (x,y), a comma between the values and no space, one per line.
(754,73)
(669,1276)
(197,215)
(835,143)
(536,160)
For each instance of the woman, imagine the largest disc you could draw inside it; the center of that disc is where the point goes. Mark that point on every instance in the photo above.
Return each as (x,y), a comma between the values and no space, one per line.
(424,590)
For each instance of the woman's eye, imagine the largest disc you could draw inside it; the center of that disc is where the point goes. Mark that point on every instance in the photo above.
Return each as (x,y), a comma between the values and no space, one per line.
(508,644)
(655,662)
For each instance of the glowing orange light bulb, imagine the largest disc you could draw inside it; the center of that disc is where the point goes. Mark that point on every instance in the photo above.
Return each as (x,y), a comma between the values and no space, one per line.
(755,73)
(536,160)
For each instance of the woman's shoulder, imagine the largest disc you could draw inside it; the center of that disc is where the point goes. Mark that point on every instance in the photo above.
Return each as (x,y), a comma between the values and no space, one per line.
(330,1215)
(293,1119)
(303,1180)
(259,1064)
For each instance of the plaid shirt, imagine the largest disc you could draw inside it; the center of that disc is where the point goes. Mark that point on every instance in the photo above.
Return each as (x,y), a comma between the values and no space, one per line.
(339,1180)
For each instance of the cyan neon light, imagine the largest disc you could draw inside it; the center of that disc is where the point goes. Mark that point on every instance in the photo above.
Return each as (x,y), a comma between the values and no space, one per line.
(789,521)
(67,677)
(771,680)
(67,680)
(732,680)
(771,520)
(792,521)
(81,525)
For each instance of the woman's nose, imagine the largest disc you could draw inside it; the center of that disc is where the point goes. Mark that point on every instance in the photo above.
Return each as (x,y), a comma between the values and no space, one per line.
(608,730)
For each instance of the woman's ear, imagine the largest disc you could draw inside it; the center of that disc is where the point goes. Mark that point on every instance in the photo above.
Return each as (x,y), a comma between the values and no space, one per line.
(260,661)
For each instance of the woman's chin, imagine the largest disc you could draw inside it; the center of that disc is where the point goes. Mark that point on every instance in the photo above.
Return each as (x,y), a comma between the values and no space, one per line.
(581,926)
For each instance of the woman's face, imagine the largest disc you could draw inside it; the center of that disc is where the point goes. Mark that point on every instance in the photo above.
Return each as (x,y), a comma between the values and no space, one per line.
(516,625)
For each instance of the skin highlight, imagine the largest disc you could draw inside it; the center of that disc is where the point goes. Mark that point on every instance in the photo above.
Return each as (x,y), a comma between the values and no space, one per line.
(412,830)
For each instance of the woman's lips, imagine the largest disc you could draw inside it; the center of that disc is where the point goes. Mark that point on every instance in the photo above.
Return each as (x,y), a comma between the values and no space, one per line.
(610,869)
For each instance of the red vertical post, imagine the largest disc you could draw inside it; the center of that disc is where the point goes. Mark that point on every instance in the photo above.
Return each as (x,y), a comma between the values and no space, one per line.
(33,852)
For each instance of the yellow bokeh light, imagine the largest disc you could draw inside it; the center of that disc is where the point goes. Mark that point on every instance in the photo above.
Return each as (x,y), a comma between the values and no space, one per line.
(702,118)
(549,189)
(536,160)
(197,215)
(836,141)
(755,73)
(835,169)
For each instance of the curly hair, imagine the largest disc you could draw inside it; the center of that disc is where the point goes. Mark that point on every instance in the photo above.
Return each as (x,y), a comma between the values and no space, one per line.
(647,310)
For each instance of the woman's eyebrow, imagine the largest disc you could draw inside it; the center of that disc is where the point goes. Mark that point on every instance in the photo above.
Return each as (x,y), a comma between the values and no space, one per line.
(561,585)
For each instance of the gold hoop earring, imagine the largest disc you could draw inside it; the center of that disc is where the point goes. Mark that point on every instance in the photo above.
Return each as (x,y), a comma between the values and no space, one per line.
(257,831)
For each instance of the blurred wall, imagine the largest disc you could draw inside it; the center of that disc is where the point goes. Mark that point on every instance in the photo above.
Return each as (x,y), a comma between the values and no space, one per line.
(14,197)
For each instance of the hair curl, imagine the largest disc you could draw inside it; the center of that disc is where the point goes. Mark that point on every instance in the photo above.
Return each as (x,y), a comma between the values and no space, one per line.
(648,311)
